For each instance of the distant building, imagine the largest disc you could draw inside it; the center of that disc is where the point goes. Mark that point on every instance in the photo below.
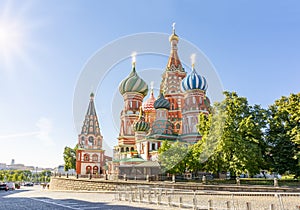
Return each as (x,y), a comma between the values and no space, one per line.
(60,170)
(2,166)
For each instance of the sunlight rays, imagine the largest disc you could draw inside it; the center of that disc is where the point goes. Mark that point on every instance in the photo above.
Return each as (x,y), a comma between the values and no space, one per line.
(14,37)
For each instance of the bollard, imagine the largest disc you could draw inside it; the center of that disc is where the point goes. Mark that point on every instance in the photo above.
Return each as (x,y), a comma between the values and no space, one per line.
(210,205)
(140,196)
(248,205)
(125,178)
(131,197)
(180,202)
(272,207)
(195,203)
(169,200)
(142,193)
(227,205)
(147,178)
(238,181)
(204,179)
(67,175)
(158,199)
(77,176)
(173,178)
(275,182)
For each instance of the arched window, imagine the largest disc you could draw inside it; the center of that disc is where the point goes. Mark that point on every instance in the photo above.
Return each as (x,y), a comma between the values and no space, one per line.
(86,157)
(82,141)
(91,140)
(95,157)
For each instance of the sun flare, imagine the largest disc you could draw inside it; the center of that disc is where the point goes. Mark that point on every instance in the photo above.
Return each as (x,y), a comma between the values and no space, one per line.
(10,39)
(14,42)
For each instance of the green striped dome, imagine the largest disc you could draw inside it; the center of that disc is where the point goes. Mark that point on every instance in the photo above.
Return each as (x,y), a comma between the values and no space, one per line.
(133,83)
(141,124)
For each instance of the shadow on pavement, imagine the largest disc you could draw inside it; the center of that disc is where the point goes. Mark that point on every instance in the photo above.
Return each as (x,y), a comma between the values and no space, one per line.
(45,203)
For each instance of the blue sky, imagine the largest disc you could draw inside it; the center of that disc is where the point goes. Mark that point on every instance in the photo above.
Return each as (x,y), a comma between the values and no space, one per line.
(254,46)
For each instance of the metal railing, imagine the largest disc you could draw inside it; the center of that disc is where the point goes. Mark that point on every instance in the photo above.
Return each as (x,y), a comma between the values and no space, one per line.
(210,200)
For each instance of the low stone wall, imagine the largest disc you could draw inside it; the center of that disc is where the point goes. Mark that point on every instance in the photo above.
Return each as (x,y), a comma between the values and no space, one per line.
(73,184)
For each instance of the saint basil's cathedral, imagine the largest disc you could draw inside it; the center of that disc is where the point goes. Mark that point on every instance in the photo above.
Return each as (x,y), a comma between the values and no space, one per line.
(146,124)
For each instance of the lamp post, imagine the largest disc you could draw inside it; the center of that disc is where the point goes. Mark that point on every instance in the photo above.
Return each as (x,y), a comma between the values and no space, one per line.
(36,175)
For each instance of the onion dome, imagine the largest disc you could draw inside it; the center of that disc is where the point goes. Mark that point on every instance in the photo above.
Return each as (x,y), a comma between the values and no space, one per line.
(149,103)
(162,103)
(133,83)
(141,124)
(194,81)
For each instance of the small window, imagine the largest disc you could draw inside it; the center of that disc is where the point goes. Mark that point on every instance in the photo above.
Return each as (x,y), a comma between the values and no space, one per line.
(91,140)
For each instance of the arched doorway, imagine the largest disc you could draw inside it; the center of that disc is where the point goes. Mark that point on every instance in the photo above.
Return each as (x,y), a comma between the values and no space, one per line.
(88,169)
(95,170)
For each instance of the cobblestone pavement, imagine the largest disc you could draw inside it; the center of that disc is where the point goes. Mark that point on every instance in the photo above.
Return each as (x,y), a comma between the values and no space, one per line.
(35,198)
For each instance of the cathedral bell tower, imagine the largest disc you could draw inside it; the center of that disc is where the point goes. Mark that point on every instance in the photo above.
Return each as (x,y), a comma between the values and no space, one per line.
(90,155)
(170,84)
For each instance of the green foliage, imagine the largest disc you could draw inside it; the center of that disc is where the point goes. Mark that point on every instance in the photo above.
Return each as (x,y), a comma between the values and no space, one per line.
(239,138)
(15,175)
(283,135)
(70,158)
(172,157)
(232,137)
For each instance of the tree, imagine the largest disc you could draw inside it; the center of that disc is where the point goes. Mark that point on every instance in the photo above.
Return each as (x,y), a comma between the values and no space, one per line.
(70,158)
(232,136)
(283,135)
(173,157)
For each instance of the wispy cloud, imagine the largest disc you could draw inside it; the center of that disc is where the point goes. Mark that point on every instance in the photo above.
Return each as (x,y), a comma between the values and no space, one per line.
(44,126)
(19,135)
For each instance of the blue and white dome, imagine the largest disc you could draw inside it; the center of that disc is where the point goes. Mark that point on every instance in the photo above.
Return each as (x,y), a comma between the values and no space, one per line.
(194,81)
